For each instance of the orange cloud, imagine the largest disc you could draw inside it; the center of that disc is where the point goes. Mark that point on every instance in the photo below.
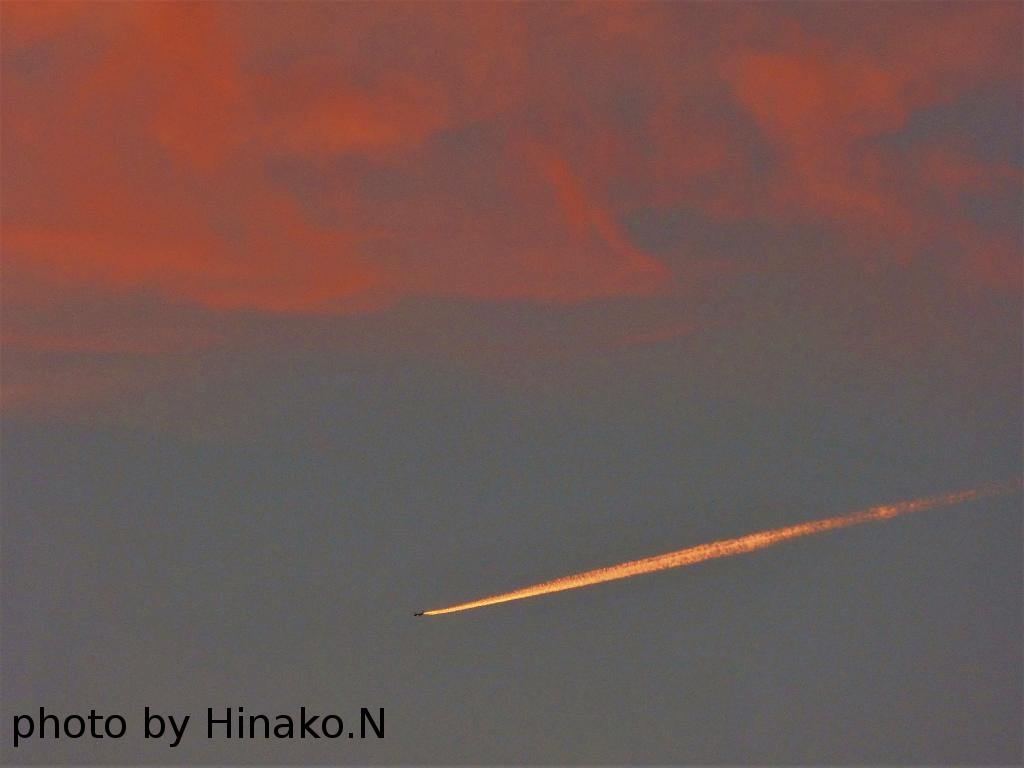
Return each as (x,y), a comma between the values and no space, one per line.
(332,159)
(159,179)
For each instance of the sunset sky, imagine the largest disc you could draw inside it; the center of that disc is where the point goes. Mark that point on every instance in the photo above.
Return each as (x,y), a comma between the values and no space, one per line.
(317,314)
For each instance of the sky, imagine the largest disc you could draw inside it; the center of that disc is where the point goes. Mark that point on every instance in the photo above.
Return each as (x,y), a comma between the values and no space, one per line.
(318,314)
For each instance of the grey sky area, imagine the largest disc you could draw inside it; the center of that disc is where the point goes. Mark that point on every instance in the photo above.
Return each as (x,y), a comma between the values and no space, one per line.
(179,566)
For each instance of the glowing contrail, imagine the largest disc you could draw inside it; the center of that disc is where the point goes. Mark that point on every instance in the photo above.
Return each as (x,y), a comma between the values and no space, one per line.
(728,547)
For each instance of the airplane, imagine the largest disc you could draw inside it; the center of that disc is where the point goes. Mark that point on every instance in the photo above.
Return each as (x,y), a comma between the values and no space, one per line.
(418,614)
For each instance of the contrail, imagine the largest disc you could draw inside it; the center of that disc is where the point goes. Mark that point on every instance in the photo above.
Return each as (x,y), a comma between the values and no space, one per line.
(728,547)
